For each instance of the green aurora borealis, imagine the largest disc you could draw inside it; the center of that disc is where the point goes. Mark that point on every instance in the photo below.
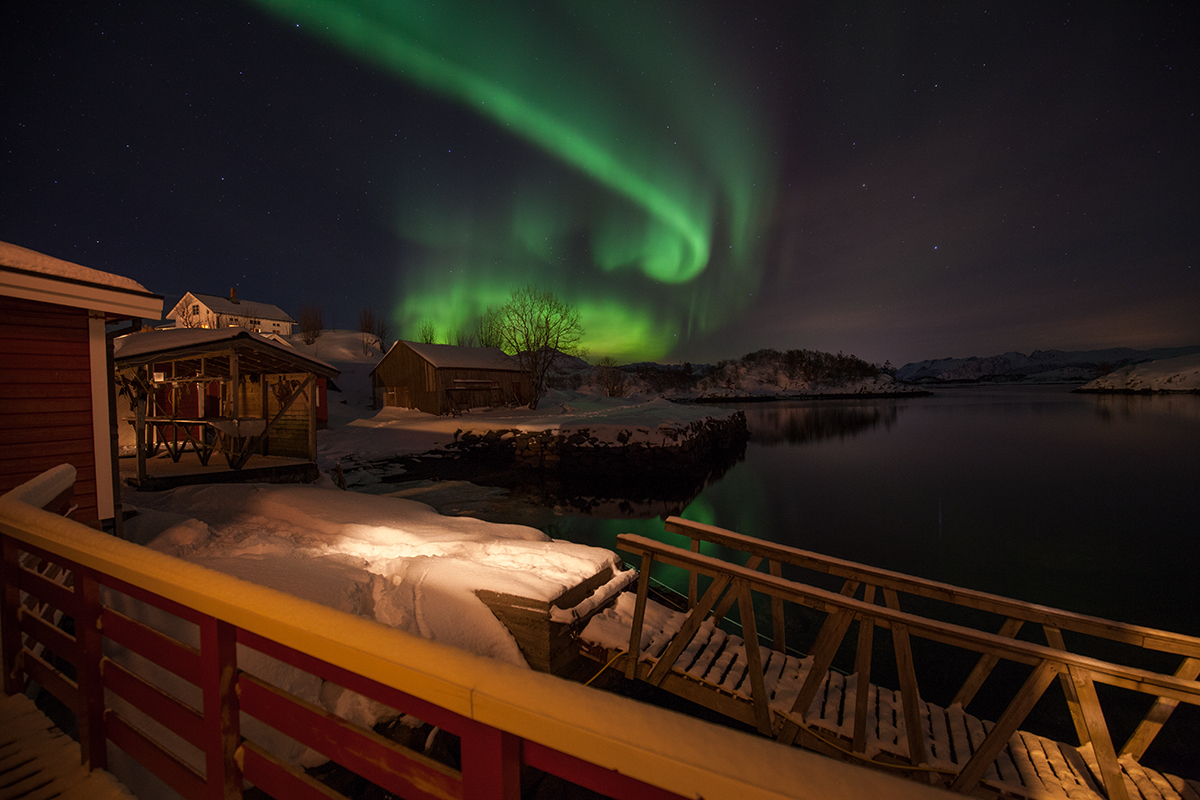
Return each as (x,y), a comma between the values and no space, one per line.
(625,169)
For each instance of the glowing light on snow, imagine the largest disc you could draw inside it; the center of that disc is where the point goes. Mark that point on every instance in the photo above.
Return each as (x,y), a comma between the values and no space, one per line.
(621,166)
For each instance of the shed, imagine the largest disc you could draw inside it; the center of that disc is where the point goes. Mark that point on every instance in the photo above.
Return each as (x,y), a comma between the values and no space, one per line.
(226,391)
(57,403)
(447,379)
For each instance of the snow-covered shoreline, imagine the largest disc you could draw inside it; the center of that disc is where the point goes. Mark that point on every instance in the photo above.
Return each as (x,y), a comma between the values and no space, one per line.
(1179,375)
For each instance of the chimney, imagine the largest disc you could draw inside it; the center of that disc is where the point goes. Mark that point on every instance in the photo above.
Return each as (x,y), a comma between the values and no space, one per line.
(232,295)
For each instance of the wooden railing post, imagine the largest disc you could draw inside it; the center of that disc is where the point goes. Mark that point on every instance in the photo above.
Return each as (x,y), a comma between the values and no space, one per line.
(862,668)
(491,763)
(1054,638)
(639,614)
(754,664)
(910,695)
(222,728)
(778,628)
(693,577)
(10,627)
(1097,729)
(93,750)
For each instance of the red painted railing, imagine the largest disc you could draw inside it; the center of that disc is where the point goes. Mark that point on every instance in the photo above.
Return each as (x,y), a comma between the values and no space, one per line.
(195,632)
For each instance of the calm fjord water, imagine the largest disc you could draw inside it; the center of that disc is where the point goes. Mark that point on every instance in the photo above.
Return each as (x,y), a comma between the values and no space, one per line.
(1083,502)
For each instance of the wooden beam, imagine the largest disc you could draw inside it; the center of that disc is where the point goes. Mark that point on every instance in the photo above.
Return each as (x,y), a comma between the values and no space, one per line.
(1097,729)
(754,664)
(1024,701)
(862,668)
(639,614)
(1158,714)
(983,668)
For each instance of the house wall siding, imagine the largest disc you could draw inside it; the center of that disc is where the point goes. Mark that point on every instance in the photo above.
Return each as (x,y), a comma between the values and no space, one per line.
(46,410)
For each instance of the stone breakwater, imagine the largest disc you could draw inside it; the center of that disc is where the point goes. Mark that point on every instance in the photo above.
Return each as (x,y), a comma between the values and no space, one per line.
(670,447)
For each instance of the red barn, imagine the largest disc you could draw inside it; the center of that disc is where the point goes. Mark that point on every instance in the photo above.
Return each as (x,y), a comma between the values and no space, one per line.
(57,400)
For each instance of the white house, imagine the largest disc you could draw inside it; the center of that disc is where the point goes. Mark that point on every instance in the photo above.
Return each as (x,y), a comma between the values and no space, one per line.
(211,311)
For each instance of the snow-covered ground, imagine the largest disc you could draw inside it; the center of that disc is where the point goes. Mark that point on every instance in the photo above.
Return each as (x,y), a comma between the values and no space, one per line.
(384,558)
(1180,374)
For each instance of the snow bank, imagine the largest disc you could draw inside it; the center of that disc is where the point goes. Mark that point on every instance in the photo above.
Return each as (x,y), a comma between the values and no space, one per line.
(395,561)
(612,421)
(1180,374)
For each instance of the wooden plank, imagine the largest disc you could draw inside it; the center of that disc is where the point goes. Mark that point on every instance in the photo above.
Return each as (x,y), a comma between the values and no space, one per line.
(164,651)
(387,695)
(983,668)
(824,649)
(687,632)
(639,616)
(52,680)
(1006,606)
(862,668)
(221,731)
(395,768)
(778,626)
(1097,729)
(52,638)
(164,764)
(1158,714)
(1054,638)
(277,778)
(909,693)
(708,655)
(754,664)
(608,782)
(49,591)
(1012,717)
(165,709)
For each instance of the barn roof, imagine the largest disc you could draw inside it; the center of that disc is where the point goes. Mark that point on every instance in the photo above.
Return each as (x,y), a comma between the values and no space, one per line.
(256,353)
(449,356)
(242,308)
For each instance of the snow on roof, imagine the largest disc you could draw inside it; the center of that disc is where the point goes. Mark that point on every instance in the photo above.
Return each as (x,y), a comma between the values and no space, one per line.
(241,308)
(169,341)
(452,356)
(16,257)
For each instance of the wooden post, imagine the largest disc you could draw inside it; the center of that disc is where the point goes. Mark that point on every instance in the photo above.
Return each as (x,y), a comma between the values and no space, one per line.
(693,577)
(1054,638)
(778,629)
(139,423)
(862,667)
(1158,714)
(909,694)
(10,627)
(235,382)
(639,614)
(92,741)
(758,691)
(1026,698)
(987,662)
(312,417)
(222,731)
(491,763)
(1097,729)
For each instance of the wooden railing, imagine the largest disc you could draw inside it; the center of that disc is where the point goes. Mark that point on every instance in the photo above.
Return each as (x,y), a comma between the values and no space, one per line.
(507,719)
(1079,674)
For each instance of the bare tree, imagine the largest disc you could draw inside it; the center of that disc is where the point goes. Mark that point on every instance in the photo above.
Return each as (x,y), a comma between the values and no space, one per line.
(487,329)
(382,330)
(611,379)
(367,323)
(312,324)
(464,338)
(536,327)
(427,333)
(189,316)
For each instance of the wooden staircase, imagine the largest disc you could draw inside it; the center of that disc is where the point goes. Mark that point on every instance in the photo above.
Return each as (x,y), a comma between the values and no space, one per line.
(801,700)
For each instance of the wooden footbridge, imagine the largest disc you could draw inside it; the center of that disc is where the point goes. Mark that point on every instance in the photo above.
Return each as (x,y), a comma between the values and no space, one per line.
(800,700)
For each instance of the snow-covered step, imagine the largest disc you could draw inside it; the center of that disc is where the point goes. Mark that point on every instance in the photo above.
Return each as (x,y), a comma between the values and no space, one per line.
(39,761)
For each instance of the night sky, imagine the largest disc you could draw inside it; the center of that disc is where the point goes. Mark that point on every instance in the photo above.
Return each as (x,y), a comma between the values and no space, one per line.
(701,179)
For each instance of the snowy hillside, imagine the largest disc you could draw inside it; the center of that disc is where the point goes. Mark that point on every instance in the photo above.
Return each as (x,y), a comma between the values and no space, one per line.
(345,350)
(1040,366)
(1180,374)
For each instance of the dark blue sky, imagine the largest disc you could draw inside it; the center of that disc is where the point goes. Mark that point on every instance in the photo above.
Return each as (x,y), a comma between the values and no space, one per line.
(948,181)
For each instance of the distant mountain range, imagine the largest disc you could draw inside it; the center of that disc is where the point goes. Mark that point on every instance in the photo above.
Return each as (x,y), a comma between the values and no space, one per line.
(1040,366)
